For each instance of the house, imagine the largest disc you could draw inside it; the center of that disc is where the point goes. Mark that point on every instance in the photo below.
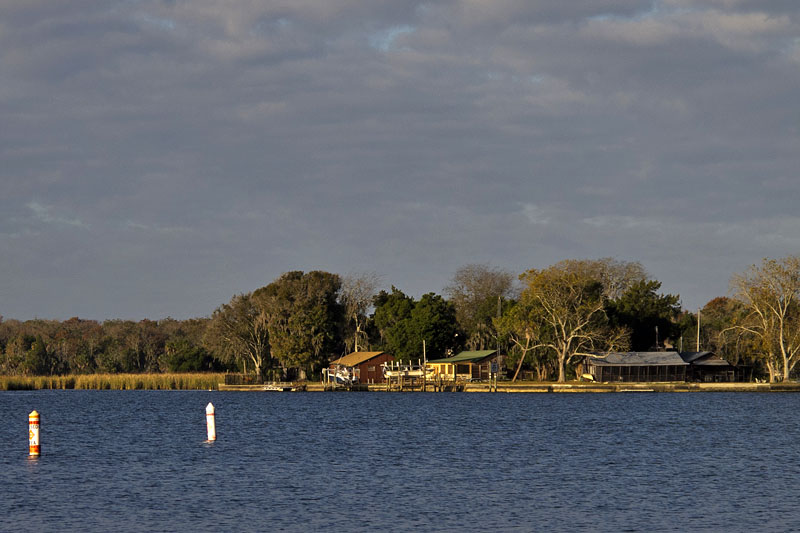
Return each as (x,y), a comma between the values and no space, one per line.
(637,366)
(366,365)
(659,366)
(467,365)
(708,367)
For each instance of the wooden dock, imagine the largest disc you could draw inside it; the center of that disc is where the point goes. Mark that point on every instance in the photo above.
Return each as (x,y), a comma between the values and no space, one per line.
(266,387)
(539,387)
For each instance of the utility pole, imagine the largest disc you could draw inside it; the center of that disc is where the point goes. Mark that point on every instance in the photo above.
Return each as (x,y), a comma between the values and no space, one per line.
(698,330)
(499,315)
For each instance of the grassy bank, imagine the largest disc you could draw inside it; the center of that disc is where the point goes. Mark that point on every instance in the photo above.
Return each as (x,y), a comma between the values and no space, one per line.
(114,382)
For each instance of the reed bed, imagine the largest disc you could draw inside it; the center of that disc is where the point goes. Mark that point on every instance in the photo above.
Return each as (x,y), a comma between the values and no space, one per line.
(114,382)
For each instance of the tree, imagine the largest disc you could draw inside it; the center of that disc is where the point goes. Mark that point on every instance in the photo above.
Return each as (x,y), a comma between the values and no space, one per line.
(565,309)
(238,332)
(303,317)
(475,291)
(357,294)
(649,316)
(123,347)
(523,329)
(771,294)
(717,333)
(392,312)
(433,320)
(182,355)
(615,276)
(16,351)
(37,359)
(75,342)
(404,324)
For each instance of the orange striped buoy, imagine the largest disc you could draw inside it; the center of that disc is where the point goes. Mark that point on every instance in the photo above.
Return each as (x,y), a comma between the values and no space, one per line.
(33,434)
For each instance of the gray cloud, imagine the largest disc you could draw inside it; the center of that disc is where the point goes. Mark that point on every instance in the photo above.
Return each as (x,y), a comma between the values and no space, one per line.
(157,157)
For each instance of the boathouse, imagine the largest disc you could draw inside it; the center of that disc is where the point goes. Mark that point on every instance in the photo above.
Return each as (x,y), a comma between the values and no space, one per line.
(366,365)
(637,366)
(467,365)
(659,366)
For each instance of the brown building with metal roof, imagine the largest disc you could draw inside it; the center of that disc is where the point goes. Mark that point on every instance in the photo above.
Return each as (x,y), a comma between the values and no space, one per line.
(366,365)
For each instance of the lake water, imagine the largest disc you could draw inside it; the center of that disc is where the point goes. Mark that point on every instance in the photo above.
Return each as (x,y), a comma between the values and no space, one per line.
(137,461)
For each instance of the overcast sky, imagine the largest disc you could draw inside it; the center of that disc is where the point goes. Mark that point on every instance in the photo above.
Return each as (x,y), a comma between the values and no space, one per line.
(158,157)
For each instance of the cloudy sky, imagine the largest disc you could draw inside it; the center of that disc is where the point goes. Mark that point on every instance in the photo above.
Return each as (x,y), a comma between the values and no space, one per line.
(157,157)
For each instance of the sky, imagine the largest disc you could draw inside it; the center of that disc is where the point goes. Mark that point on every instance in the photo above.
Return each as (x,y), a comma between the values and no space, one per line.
(158,157)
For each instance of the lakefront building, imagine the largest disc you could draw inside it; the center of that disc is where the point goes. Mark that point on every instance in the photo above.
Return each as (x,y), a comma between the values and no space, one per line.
(659,366)
(467,365)
(366,365)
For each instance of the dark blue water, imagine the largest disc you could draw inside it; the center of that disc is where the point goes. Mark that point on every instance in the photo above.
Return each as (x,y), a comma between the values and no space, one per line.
(136,461)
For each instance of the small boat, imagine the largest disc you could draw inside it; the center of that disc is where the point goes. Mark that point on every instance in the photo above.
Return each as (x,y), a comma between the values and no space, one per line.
(409,370)
(341,375)
(278,388)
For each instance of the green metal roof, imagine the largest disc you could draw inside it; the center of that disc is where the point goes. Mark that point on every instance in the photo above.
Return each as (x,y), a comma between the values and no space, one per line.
(466,357)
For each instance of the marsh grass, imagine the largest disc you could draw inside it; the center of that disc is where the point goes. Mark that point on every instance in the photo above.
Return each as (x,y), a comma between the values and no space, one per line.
(114,382)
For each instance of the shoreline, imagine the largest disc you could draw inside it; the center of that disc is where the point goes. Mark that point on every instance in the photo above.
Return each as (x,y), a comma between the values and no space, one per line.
(173,381)
(215,381)
(560,388)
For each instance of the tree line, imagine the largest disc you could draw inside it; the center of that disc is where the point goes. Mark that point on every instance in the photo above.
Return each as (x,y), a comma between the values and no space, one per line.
(545,321)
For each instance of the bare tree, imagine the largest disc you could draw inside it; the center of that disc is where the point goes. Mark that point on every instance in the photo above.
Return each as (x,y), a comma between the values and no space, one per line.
(771,294)
(238,331)
(562,310)
(475,291)
(615,276)
(356,295)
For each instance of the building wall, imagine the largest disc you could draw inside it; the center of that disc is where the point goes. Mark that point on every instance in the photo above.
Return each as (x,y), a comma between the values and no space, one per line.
(638,373)
(465,370)
(371,372)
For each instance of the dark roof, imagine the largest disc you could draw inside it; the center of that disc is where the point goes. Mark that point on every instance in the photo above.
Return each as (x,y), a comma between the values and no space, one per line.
(466,357)
(638,359)
(690,357)
(704,359)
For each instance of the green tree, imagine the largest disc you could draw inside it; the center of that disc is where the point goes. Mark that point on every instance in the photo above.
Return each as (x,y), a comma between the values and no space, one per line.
(433,320)
(37,359)
(304,319)
(182,355)
(123,349)
(392,312)
(404,324)
(646,313)
(523,328)
(17,348)
(75,343)
(718,317)
(152,341)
